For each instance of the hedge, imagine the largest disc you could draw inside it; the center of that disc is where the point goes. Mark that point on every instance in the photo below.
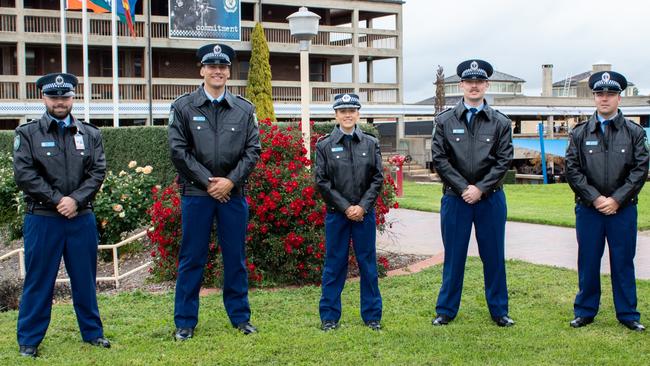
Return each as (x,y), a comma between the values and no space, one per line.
(148,146)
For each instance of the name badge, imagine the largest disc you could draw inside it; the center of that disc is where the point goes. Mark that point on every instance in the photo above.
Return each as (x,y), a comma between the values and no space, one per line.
(198,118)
(337,149)
(591,143)
(48,144)
(458,131)
(79,142)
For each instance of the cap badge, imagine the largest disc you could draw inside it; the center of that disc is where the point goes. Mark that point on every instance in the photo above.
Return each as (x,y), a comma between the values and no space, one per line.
(217,49)
(346,98)
(473,65)
(59,80)
(606,77)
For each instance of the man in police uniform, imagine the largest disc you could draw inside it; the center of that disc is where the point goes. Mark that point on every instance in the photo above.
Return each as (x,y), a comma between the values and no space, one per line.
(472,149)
(349,176)
(606,166)
(214,142)
(59,165)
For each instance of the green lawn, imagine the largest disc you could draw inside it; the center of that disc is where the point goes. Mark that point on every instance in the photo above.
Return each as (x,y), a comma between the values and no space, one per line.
(140,327)
(550,204)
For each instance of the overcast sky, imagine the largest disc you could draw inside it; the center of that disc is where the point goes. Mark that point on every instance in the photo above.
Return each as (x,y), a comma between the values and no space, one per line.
(517,37)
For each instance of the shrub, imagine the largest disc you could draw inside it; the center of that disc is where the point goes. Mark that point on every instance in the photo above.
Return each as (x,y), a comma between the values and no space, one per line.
(10,291)
(285,240)
(11,210)
(122,202)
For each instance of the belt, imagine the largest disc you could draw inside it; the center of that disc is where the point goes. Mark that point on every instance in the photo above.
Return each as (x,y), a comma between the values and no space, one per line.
(55,213)
(448,190)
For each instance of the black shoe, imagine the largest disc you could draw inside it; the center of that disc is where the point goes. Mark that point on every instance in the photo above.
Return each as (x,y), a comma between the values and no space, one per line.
(441,319)
(100,342)
(374,324)
(580,321)
(183,334)
(633,325)
(328,325)
(503,321)
(246,328)
(28,351)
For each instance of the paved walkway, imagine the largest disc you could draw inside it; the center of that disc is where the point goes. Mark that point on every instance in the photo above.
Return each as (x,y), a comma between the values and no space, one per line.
(416,232)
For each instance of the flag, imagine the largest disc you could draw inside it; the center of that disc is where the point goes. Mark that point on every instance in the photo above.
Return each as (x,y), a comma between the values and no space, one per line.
(126,12)
(98,6)
(125,9)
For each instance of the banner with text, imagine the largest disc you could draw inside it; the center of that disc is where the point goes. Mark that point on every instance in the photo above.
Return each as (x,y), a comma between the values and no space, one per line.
(205,19)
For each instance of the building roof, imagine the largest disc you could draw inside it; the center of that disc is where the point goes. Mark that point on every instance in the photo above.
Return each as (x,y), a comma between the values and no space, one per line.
(451,100)
(496,76)
(575,79)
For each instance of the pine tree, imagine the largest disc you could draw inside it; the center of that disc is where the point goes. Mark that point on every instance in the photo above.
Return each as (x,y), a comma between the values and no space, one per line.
(440,90)
(259,89)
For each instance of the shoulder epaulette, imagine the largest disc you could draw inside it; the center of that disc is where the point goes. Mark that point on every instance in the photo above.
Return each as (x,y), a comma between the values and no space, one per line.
(244,99)
(180,97)
(501,113)
(445,111)
(323,137)
(30,122)
(89,125)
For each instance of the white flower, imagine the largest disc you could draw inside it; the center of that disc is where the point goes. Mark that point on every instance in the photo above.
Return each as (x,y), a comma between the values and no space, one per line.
(122,173)
(133,164)
(139,169)
(147,169)
(117,207)
(122,214)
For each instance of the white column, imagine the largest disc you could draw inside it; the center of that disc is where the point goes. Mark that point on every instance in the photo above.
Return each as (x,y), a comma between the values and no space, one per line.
(305,95)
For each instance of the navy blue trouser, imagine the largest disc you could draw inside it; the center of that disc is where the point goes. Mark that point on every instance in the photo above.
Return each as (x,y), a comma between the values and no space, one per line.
(338,232)
(592,228)
(489,218)
(199,214)
(47,239)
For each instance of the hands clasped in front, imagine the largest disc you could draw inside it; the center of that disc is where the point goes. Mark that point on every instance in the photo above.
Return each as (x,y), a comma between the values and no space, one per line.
(606,205)
(219,188)
(355,213)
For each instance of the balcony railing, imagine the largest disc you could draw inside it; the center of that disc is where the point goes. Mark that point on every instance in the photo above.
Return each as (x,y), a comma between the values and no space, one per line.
(98,27)
(135,90)
(8,90)
(7,23)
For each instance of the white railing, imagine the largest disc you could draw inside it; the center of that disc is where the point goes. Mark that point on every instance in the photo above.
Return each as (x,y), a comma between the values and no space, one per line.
(20,252)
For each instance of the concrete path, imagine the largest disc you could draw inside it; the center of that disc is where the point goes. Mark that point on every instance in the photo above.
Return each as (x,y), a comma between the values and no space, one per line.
(416,232)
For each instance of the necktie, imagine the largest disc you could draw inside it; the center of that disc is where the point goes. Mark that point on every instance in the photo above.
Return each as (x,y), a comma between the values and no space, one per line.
(604,124)
(472,114)
(61,127)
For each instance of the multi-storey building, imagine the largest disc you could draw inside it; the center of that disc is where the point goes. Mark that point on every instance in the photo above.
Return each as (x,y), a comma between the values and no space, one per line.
(358,49)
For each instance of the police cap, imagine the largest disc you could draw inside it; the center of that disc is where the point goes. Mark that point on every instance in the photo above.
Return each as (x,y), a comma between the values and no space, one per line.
(474,70)
(346,101)
(57,84)
(215,54)
(607,81)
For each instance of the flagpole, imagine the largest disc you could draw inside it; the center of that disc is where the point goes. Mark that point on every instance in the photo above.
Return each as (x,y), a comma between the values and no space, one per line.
(84,30)
(64,59)
(116,87)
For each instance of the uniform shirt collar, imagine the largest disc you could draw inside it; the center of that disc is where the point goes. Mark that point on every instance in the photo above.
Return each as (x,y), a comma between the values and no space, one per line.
(616,121)
(211,98)
(66,120)
(338,135)
(48,123)
(460,110)
(201,97)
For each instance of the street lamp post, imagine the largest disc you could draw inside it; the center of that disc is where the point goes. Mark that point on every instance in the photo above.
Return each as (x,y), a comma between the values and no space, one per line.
(303,25)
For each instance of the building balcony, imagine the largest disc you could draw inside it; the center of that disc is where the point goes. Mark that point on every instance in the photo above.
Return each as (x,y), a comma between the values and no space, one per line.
(167,89)
(46,23)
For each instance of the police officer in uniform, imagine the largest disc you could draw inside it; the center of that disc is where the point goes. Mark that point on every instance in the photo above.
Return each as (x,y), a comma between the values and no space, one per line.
(214,142)
(349,176)
(471,150)
(606,166)
(59,165)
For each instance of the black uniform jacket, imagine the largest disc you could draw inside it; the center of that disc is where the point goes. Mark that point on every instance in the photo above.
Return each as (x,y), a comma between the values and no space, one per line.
(208,140)
(479,155)
(49,166)
(612,165)
(348,172)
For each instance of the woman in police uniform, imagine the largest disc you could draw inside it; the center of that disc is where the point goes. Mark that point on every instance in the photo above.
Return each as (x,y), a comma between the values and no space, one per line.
(349,176)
